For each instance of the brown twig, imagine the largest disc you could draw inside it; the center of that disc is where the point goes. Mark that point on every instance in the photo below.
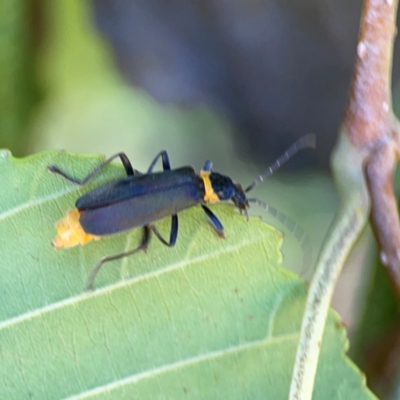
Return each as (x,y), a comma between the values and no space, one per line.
(363,163)
(384,213)
(370,125)
(368,113)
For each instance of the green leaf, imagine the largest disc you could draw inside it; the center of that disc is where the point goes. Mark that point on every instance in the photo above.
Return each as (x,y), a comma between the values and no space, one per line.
(207,319)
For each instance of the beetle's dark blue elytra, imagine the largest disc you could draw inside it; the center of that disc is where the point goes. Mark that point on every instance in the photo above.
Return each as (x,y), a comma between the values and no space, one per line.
(139,200)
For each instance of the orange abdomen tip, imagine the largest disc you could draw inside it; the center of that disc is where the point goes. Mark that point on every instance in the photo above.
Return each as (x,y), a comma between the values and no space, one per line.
(70,232)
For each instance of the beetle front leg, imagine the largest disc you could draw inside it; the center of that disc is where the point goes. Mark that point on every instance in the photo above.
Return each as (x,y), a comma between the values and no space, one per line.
(214,221)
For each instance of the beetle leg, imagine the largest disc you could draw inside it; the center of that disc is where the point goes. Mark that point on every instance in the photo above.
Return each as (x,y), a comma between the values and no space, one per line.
(173,235)
(143,246)
(123,157)
(214,221)
(165,161)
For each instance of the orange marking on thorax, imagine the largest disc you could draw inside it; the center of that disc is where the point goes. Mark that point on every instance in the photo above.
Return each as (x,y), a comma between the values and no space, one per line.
(210,196)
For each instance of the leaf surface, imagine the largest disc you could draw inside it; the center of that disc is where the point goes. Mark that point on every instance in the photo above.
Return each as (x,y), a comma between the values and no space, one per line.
(210,318)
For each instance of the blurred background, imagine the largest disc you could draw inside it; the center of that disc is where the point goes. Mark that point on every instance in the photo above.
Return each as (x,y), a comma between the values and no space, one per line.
(232,81)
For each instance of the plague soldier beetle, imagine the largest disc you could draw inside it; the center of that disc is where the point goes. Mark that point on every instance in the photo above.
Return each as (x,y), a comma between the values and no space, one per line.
(139,200)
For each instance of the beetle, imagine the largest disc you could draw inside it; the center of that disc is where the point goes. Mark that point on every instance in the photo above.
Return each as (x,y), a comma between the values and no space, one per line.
(139,200)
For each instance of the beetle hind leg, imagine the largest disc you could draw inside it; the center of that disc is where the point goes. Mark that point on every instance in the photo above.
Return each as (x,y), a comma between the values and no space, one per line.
(143,246)
(122,156)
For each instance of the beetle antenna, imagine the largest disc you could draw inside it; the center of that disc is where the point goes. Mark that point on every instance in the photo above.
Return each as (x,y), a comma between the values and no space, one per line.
(306,141)
(294,228)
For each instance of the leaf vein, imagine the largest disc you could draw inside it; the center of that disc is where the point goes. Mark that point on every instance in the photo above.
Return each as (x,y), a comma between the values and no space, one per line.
(122,283)
(182,364)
